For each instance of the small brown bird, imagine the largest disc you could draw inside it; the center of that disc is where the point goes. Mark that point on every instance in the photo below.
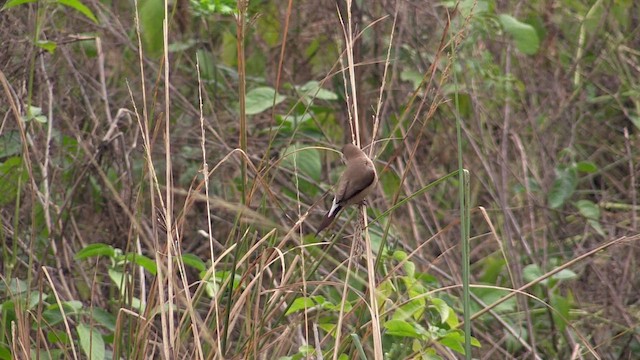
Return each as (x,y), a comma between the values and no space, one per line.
(356,182)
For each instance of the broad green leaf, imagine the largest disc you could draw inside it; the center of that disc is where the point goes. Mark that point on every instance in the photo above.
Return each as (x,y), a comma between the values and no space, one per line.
(591,211)
(261,99)
(53,316)
(194,262)
(300,303)
(399,255)
(151,18)
(12,3)
(57,336)
(15,287)
(400,328)
(524,34)
(35,113)
(564,274)
(5,353)
(182,46)
(563,187)
(409,268)
(91,342)
(13,176)
(452,320)
(210,7)
(104,318)
(10,143)
(412,76)
(596,226)
(328,328)
(442,308)
(491,295)
(77,5)
(312,90)
(588,209)
(120,279)
(408,310)
(207,65)
(586,167)
(492,269)
(72,306)
(562,307)
(454,341)
(97,249)
(143,261)
(531,272)
(49,46)
(303,160)
(390,182)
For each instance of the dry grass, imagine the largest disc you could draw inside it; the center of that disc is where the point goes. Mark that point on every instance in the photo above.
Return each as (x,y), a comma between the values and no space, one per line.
(161,160)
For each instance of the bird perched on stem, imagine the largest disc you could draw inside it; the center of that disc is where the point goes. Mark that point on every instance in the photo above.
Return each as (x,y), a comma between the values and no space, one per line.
(356,182)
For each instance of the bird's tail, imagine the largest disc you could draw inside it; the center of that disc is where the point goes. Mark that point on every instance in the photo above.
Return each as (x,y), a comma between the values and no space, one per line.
(328,218)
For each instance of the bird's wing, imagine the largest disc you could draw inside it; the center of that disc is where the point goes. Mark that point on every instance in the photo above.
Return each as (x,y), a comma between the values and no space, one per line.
(353,182)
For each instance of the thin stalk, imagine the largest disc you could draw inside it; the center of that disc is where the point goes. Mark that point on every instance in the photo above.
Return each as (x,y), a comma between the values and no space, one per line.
(463,194)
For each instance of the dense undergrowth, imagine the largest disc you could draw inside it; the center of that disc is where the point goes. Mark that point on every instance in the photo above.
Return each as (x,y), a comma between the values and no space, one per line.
(159,192)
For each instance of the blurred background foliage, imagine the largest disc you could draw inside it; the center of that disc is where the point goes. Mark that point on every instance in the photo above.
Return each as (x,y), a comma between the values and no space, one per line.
(548,94)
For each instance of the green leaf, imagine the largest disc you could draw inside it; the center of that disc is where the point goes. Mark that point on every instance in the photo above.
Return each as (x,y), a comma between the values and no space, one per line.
(591,211)
(408,310)
(104,318)
(303,160)
(5,353)
(312,90)
(399,255)
(524,34)
(49,46)
(151,17)
(563,187)
(194,262)
(491,295)
(77,5)
(53,316)
(531,272)
(565,274)
(143,261)
(261,99)
(409,268)
(58,336)
(492,269)
(91,342)
(390,182)
(442,308)
(562,307)
(300,303)
(72,306)
(412,76)
(13,176)
(10,143)
(587,167)
(596,226)
(120,279)
(588,209)
(12,3)
(97,249)
(454,341)
(34,113)
(398,327)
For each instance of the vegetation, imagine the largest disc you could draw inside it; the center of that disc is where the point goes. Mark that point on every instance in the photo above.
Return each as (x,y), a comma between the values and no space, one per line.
(160,190)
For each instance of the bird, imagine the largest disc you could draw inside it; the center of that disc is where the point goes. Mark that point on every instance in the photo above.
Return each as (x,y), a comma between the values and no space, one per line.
(356,182)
